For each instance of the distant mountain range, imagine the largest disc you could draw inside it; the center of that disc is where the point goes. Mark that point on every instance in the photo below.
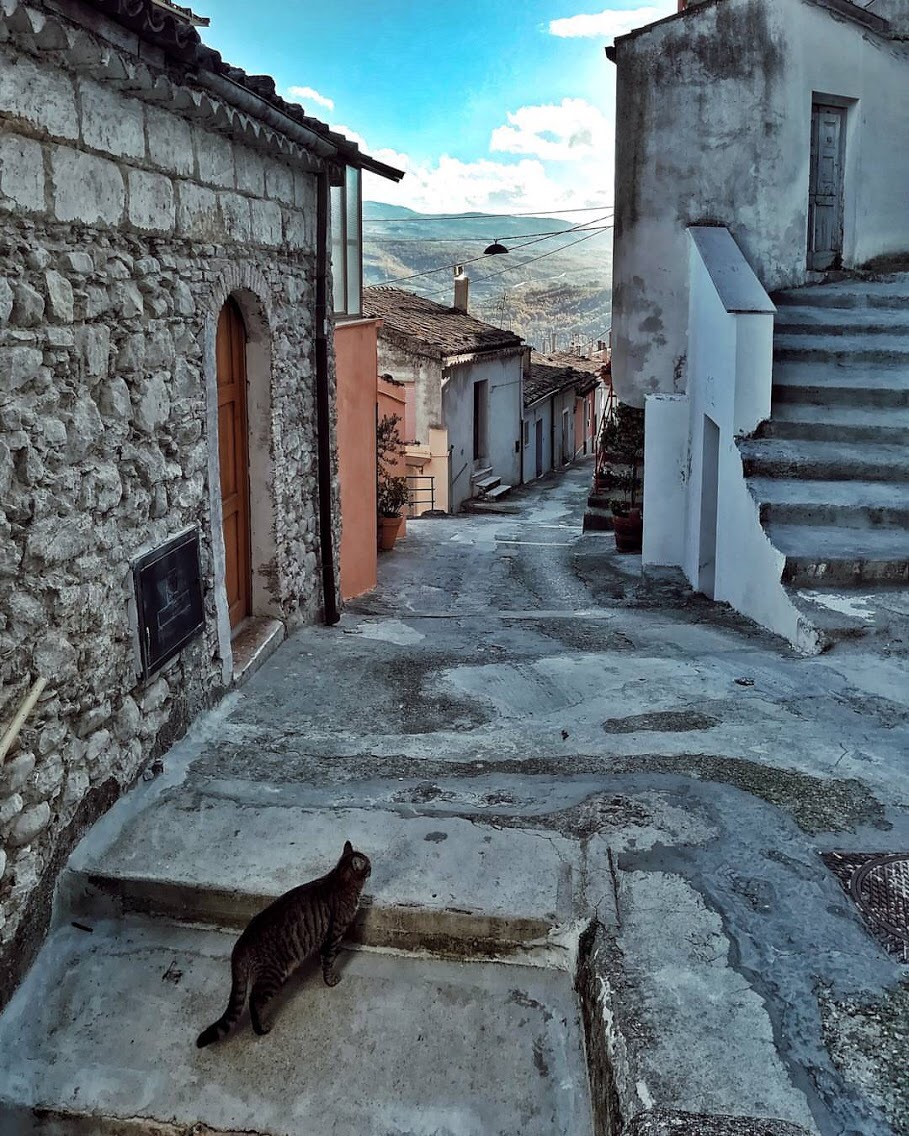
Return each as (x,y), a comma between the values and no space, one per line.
(553,291)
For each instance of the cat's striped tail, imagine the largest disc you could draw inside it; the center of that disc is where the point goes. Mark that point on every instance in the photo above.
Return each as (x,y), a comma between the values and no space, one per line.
(230,1017)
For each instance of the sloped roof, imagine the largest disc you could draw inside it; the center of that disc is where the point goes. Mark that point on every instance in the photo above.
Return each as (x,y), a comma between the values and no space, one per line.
(549,374)
(434,328)
(173,29)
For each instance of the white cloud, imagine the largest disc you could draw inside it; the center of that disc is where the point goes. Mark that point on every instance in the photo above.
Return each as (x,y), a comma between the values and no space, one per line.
(308,95)
(611,22)
(565,132)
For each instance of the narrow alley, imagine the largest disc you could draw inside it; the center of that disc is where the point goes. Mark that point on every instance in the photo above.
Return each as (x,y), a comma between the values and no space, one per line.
(596,807)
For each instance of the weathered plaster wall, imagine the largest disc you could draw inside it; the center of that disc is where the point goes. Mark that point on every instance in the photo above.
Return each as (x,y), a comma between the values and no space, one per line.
(503,373)
(715,109)
(123,228)
(896,11)
(355,355)
(424,377)
(538,412)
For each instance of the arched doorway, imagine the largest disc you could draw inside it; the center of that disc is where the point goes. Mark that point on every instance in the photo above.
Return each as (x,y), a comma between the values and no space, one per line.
(233,451)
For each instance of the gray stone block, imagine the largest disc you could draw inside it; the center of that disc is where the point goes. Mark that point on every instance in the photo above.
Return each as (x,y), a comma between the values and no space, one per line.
(83,429)
(18,365)
(297,231)
(15,773)
(215,158)
(184,304)
(197,212)
(234,211)
(115,401)
(304,191)
(110,122)
(55,656)
(59,297)
(22,172)
(265,223)
(10,809)
(250,171)
(6,300)
(28,306)
(77,264)
(29,824)
(170,142)
(152,407)
(94,348)
(43,96)
(151,202)
(86,188)
(279,182)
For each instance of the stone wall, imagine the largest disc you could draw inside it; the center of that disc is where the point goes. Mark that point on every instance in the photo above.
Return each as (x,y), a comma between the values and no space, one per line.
(123,228)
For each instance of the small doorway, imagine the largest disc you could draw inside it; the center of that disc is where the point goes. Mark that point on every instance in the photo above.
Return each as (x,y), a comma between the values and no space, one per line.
(480,419)
(538,432)
(233,452)
(710,481)
(825,186)
(566,437)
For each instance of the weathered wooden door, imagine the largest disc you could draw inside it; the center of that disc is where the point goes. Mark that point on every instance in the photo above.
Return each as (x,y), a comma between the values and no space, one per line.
(480,419)
(234,456)
(825,186)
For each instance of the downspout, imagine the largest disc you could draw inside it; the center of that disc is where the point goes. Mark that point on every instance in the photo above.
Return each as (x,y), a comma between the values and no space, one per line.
(323,406)
(552,461)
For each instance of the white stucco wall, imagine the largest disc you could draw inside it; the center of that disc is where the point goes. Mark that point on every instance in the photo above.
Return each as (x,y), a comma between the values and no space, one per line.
(539,411)
(503,373)
(698,511)
(714,108)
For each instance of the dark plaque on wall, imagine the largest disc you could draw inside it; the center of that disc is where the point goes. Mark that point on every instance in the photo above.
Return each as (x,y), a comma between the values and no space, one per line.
(168,599)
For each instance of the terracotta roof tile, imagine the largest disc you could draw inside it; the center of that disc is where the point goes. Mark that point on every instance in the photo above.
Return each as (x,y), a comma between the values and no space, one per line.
(446,331)
(550,374)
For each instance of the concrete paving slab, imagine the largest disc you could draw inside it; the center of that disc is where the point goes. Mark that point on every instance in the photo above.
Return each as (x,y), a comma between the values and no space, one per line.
(419,1047)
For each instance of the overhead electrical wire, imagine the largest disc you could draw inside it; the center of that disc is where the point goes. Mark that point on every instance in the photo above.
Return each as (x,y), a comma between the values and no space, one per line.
(529,260)
(466,237)
(446,267)
(482,216)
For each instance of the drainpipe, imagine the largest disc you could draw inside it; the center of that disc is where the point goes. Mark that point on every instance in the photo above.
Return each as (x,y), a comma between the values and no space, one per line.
(552,461)
(323,405)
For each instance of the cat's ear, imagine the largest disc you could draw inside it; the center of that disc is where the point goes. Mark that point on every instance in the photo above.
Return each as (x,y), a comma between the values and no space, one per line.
(348,848)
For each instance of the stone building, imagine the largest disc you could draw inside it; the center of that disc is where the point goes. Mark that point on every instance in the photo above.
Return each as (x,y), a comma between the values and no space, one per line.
(168,471)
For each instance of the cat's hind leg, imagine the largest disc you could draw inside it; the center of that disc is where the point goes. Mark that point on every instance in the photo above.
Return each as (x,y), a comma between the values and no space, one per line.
(264,989)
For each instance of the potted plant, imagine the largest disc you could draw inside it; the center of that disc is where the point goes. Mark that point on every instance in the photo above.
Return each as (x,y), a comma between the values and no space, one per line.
(619,468)
(392,493)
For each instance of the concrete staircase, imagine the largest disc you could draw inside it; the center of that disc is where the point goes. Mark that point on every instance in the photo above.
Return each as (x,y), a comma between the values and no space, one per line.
(487,490)
(830,469)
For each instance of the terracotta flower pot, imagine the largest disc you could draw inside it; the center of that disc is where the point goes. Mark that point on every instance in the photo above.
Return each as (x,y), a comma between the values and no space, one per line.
(389,527)
(629,531)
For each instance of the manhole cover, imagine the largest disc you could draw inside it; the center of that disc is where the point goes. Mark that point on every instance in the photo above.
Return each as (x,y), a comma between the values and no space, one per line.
(878,884)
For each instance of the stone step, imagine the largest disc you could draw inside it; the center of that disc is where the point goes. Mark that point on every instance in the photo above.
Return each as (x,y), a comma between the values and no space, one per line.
(829,384)
(871,348)
(485,484)
(847,504)
(890,292)
(831,556)
(824,460)
(867,613)
(837,422)
(828,321)
(452,890)
(497,492)
(100,1038)
(480,474)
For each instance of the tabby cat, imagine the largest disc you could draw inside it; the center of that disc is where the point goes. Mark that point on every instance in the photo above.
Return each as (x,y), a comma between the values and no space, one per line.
(314,916)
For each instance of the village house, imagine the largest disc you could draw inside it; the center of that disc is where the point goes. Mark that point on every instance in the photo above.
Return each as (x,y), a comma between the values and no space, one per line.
(763,145)
(462,381)
(168,464)
(562,408)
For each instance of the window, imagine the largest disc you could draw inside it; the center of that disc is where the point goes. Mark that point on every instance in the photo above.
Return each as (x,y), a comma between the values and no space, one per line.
(347,244)
(526,432)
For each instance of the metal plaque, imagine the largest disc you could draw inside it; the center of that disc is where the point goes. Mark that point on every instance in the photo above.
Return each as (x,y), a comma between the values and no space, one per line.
(168,584)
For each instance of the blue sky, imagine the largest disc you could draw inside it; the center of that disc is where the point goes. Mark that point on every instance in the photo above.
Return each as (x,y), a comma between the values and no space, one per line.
(500,105)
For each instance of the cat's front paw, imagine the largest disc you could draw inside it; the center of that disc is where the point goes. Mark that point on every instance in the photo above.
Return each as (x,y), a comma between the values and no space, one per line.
(332,978)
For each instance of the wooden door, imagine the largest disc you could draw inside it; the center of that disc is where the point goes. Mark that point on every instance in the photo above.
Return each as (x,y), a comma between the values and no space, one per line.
(825,186)
(234,456)
(539,441)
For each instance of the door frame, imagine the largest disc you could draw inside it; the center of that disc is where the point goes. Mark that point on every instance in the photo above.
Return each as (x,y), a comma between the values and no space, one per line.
(819,101)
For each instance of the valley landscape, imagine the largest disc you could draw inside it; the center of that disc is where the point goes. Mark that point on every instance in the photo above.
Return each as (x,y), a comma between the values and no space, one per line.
(553,287)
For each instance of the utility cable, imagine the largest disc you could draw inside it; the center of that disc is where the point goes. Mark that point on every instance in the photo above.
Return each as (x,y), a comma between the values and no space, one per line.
(466,237)
(476,259)
(482,216)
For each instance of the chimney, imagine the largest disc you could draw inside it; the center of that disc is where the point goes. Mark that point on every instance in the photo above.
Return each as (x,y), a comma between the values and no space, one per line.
(461,288)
